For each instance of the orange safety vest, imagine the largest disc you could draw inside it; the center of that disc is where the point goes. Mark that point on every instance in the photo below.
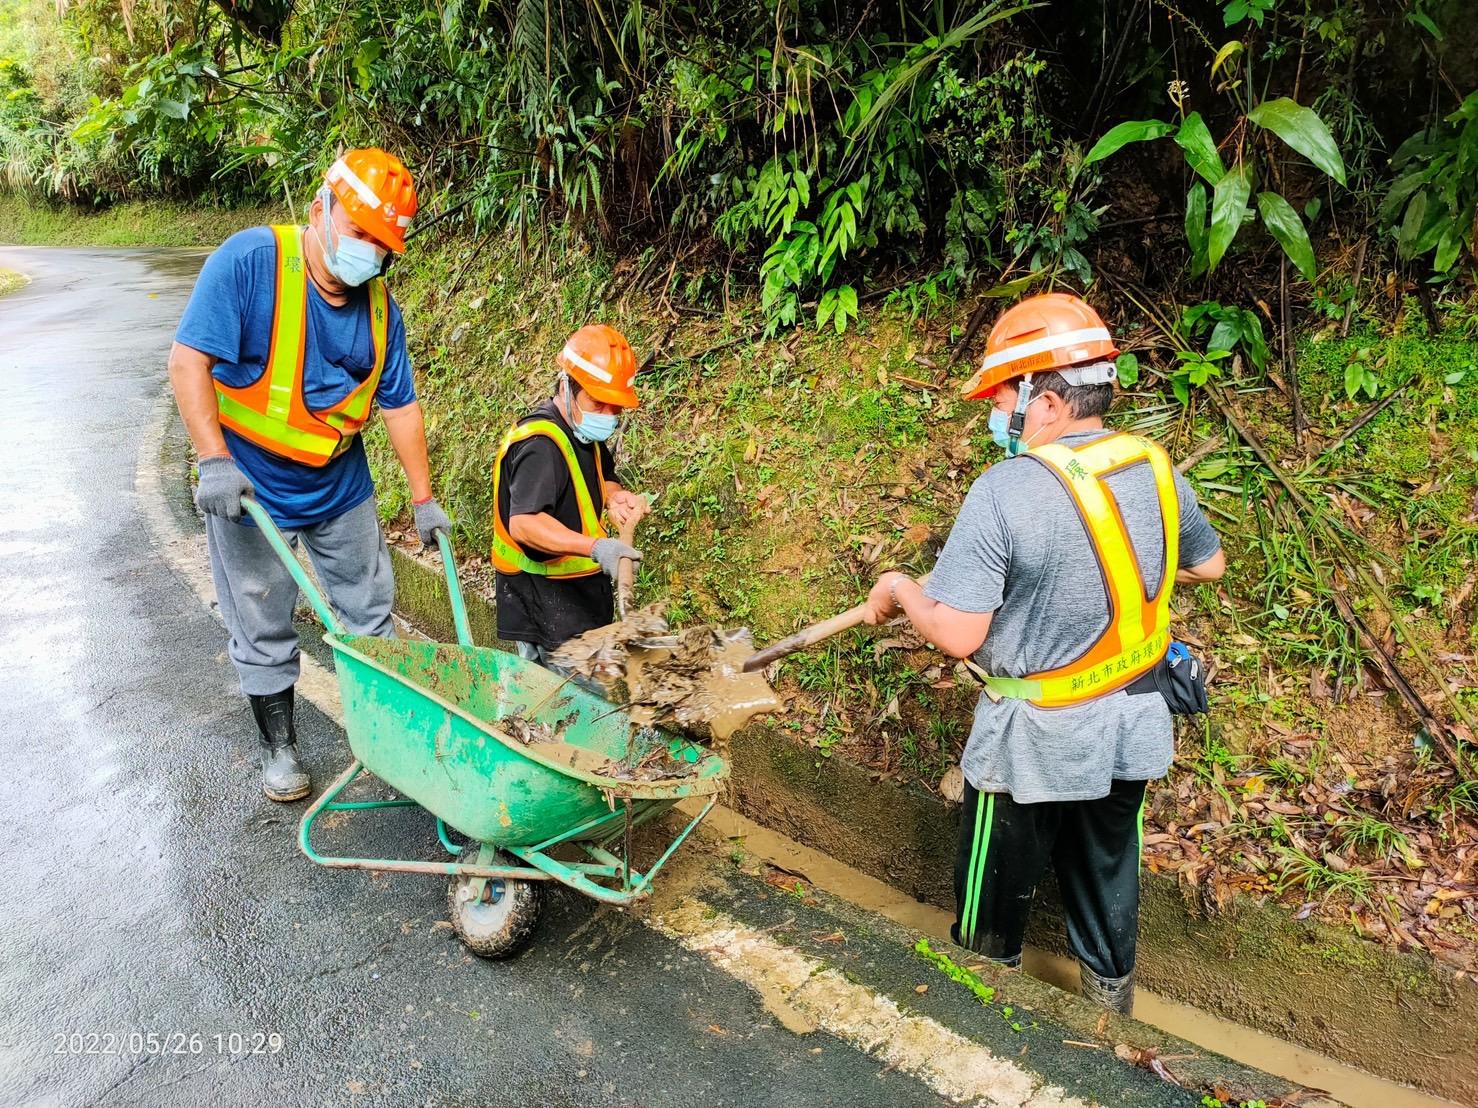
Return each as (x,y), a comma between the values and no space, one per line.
(271,411)
(508,556)
(1138,633)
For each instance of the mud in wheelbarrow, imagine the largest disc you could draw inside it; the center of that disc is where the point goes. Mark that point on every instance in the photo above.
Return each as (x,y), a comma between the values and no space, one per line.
(444,725)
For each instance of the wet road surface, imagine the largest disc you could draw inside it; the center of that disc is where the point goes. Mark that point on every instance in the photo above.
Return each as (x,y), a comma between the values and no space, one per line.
(149,888)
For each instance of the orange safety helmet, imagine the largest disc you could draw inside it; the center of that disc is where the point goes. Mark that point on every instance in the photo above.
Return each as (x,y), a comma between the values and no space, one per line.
(1053,331)
(602,361)
(376,190)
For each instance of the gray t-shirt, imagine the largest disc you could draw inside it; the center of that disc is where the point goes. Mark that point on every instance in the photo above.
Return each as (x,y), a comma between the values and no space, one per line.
(1020,549)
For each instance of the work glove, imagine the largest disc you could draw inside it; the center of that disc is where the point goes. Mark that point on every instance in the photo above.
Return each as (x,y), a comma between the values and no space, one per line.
(430,519)
(221,487)
(609,552)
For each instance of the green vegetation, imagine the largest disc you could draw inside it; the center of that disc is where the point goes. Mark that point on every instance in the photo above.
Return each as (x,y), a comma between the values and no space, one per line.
(134,223)
(804,214)
(811,154)
(10,281)
(957,973)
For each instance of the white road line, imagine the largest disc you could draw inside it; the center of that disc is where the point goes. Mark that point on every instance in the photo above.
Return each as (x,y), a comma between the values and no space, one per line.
(805,995)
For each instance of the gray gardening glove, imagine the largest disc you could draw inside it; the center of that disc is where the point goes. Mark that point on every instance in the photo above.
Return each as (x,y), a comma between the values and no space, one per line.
(221,487)
(430,519)
(609,552)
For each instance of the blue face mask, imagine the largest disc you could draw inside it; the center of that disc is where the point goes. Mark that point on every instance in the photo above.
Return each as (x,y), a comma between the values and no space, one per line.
(353,261)
(1000,429)
(595,426)
(999,424)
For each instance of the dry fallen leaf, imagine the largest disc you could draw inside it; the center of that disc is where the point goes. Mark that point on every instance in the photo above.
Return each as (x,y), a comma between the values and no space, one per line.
(918,533)
(952,785)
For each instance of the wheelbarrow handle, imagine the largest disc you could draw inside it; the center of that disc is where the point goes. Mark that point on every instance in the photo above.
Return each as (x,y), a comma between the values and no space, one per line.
(454,589)
(284,551)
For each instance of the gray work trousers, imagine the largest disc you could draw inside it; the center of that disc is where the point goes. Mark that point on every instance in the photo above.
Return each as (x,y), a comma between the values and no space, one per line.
(257,593)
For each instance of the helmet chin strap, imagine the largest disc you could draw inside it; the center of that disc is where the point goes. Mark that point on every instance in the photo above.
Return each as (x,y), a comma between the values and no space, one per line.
(1018,415)
(326,195)
(570,405)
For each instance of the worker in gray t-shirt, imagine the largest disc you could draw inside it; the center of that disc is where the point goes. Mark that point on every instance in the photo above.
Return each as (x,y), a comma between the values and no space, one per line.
(1057,579)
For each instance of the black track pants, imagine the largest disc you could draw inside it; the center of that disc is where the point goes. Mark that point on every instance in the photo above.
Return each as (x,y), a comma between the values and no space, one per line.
(1094,846)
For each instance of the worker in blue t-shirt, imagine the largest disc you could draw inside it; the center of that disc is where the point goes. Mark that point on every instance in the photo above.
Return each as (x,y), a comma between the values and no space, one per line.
(288,340)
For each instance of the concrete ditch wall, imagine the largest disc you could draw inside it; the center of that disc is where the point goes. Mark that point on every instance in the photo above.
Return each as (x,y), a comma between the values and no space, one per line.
(1400,1015)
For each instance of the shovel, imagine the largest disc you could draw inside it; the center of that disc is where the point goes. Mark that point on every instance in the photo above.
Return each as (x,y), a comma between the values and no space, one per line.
(810,636)
(625,571)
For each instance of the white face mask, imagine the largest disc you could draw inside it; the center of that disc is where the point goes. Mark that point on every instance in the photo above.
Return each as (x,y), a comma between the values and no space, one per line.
(588,426)
(353,261)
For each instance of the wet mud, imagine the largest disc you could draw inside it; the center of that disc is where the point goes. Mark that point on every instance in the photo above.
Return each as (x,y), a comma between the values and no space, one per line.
(691,679)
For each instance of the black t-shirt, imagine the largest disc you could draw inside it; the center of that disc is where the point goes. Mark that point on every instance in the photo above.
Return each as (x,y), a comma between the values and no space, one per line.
(537,479)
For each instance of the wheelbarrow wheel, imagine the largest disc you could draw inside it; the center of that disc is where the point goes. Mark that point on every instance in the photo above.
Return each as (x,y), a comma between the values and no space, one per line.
(501,923)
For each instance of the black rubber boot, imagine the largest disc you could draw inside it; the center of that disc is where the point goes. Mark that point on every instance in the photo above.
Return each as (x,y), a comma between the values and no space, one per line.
(1114,993)
(283,778)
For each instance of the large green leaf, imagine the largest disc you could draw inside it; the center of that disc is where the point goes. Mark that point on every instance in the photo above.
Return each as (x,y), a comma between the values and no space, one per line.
(1135,130)
(1228,208)
(1447,251)
(1195,227)
(1303,130)
(1411,225)
(1200,148)
(1285,226)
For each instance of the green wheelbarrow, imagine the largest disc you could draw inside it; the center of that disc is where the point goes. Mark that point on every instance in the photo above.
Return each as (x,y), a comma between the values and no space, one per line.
(445,727)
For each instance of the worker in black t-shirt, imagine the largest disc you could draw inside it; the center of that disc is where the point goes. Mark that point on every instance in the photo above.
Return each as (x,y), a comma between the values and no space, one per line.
(552,480)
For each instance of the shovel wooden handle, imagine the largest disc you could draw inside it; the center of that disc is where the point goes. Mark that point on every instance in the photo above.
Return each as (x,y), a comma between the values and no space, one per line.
(810,636)
(625,571)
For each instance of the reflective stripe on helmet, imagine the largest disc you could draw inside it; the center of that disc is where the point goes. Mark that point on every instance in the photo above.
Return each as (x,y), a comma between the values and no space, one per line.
(1040,346)
(1099,373)
(587,365)
(340,171)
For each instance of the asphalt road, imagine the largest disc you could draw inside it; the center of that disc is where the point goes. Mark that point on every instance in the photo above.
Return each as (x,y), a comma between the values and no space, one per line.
(150,889)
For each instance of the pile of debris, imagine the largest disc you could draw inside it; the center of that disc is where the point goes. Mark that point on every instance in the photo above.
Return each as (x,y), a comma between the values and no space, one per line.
(692,679)
(528,731)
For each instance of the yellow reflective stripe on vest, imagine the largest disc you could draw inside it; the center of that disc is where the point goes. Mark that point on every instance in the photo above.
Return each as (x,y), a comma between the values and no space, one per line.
(569,565)
(284,370)
(289,324)
(356,409)
(1139,647)
(1106,531)
(265,430)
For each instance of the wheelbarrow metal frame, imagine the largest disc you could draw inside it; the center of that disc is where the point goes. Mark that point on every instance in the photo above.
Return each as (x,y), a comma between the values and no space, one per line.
(593,836)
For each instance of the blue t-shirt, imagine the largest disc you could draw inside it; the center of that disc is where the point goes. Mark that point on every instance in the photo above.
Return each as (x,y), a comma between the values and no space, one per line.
(230,318)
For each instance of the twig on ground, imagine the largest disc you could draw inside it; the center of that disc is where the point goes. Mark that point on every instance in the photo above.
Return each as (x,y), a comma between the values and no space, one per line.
(1365,417)
(1344,327)
(1207,447)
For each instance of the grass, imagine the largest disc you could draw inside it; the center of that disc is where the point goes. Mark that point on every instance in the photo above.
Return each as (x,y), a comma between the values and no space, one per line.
(1374,835)
(1315,877)
(154,223)
(791,471)
(11,281)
